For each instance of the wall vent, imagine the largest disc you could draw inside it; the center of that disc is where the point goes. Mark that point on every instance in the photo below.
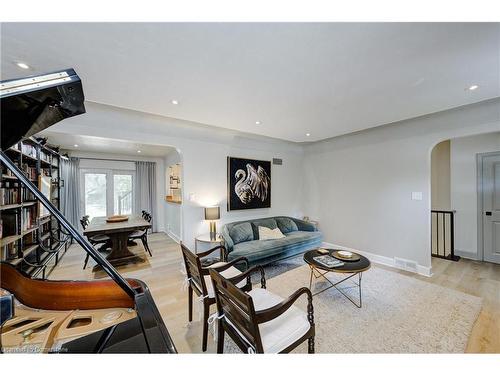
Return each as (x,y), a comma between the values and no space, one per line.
(405,264)
(277,161)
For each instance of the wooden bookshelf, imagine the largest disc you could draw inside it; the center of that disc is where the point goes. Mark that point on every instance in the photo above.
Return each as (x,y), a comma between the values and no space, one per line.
(24,230)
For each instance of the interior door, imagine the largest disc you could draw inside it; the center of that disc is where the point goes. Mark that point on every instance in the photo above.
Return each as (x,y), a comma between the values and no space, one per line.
(491,208)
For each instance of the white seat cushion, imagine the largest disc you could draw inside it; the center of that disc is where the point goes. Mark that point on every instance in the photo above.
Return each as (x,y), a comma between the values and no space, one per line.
(283,331)
(230,272)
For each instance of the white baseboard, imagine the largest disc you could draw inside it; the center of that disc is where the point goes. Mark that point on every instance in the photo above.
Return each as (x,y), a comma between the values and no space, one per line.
(381,259)
(466,255)
(173,236)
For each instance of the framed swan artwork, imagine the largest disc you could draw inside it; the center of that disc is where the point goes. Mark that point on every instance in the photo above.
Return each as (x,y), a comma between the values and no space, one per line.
(248,184)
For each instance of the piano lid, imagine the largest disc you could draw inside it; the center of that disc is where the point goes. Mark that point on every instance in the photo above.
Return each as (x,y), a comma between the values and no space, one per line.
(32,104)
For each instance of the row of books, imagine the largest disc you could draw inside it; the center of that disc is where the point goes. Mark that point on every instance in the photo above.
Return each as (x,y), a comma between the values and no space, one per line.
(9,194)
(29,150)
(11,225)
(30,172)
(45,157)
(29,218)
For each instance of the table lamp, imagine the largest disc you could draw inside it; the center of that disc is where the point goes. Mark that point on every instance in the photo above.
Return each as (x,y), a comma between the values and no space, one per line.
(212,214)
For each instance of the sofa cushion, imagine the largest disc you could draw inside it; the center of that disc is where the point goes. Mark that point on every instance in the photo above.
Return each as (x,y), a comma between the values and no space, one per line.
(269,234)
(268,223)
(286,224)
(241,232)
(254,250)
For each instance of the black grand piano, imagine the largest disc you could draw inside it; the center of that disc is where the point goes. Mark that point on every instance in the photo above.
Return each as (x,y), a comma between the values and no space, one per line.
(104,316)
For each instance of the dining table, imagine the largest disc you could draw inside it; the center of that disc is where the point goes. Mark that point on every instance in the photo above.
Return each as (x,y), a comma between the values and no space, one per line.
(119,233)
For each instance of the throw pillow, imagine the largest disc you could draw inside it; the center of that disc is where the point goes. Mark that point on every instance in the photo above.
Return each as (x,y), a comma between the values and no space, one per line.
(270,234)
(269,223)
(241,232)
(286,225)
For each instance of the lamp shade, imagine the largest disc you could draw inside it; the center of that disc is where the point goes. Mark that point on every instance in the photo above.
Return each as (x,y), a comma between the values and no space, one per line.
(212,213)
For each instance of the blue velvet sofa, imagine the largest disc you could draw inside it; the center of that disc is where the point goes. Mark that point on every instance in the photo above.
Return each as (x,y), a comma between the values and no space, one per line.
(241,238)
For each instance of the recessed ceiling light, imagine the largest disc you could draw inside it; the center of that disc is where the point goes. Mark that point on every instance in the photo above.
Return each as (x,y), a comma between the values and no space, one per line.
(75,145)
(175,102)
(23,65)
(138,151)
(257,122)
(473,87)
(307,134)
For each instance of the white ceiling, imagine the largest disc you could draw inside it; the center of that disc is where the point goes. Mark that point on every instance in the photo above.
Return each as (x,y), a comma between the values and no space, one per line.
(326,79)
(104,145)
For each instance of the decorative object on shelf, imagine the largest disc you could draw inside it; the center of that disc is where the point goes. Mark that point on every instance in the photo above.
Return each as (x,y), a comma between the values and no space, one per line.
(117,218)
(174,194)
(212,214)
(248,184)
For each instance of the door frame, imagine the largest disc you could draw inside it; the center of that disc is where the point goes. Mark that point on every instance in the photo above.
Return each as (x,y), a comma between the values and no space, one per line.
(109,172)
(480,230)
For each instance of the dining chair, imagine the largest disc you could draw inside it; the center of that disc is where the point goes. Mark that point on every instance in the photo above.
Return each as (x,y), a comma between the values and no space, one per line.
(98,239)
(198,281)
(259,321)
(143,233)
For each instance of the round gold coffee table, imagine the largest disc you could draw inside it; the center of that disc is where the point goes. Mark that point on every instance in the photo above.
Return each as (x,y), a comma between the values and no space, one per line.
(351,268)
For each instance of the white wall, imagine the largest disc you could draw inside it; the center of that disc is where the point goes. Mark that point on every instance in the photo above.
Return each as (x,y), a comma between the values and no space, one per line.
(464,188)
(172,210)
(108,160)
(204,151)
(359,186)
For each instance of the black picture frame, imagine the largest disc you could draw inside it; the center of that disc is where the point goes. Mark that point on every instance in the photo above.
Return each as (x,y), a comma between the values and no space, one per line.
(248,184)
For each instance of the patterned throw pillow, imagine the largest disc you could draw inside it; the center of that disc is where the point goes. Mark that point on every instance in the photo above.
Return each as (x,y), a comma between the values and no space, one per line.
(241,232)
(269,234)
(286,225)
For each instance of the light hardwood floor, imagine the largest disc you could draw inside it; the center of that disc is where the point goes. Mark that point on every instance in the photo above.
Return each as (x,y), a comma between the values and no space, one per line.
(162,274)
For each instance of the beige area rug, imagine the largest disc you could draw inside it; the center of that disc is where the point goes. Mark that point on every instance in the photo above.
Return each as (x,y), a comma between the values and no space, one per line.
(400,314)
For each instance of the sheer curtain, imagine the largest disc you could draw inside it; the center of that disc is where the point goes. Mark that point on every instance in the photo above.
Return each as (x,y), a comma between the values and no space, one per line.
(145,189)
(70,195)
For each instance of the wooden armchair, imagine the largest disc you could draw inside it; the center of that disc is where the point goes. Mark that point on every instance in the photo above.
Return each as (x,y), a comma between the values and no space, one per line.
(259,321)
(199,281)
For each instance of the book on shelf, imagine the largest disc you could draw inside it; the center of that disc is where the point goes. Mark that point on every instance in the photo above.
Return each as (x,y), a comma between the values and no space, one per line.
(27,195)
(28,149)
(30,172)
(44,156)
(29,218)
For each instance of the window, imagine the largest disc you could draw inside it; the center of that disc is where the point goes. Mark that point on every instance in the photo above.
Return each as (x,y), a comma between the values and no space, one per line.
(106,192)
(122,194)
